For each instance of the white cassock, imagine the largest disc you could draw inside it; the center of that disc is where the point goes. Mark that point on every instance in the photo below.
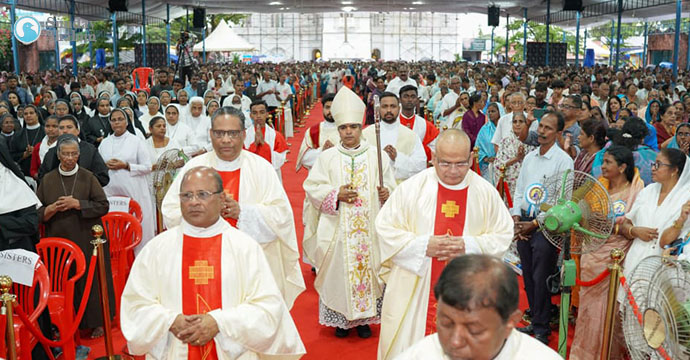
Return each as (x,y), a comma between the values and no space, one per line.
(253,320)
(265,214)
(184,136)
(309,151)
(133,183)
(285,90)
(404,225)
(345,248)
(410,158)
(278,155)
(518,346)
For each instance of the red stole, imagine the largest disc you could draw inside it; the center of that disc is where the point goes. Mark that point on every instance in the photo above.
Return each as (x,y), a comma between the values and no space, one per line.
(262,150)
(201,285)
(231,186)
(450,219)
(314,134)
(407,122)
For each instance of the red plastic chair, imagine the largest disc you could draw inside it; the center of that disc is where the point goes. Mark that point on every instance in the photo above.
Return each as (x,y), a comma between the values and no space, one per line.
(62,257)
(134,208)
(123,232)
(141,78)
(25,299)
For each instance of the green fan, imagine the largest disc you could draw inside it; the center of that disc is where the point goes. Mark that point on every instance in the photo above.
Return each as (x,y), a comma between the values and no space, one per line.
(577,218)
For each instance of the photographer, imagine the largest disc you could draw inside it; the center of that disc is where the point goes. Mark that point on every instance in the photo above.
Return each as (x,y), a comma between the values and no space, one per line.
(185,62)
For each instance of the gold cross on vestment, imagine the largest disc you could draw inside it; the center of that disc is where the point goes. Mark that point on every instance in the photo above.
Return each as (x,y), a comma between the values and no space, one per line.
(200,272)
(450,209)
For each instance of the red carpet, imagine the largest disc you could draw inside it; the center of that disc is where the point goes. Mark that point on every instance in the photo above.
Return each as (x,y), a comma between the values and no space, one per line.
(319,340)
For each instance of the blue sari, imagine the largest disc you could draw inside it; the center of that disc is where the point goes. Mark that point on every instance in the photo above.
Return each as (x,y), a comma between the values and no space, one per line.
(486,149)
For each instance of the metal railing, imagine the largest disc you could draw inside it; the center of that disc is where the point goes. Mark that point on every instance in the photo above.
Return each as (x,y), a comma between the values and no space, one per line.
(600,9)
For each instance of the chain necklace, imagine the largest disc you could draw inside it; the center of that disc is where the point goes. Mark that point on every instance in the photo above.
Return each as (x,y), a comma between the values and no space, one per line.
(64,189)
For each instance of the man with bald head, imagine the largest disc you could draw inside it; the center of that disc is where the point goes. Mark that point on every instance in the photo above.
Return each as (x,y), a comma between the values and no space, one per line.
(478,298)
(437,215)
(203,289)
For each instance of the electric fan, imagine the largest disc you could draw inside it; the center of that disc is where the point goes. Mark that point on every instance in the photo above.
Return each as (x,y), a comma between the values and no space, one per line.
(164,172)
(576,216)
(657,323)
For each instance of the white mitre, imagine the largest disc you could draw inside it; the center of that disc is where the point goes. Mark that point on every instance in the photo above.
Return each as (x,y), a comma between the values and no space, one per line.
(347,108)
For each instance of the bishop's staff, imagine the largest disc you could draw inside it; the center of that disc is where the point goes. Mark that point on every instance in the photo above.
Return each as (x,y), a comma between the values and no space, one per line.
(377,127)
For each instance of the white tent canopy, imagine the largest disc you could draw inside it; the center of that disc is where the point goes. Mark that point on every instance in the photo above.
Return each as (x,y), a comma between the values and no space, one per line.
(223,38)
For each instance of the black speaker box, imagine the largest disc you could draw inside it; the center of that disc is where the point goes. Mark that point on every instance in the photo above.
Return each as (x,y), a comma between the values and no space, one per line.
(572,5)
(494,13)
(199,18)
(117,5)
(155,55)
(536,54)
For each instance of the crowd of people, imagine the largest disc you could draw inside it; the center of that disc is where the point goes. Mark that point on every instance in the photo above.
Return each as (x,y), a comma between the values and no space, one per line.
(380,229)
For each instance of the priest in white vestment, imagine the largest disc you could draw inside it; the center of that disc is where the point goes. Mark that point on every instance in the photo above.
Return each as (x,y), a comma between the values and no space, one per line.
(344,186)
(481,325)
(256,202)
(202,289)
(441,213)
(400,144)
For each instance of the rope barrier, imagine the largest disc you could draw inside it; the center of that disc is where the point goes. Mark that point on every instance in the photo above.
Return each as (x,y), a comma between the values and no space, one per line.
(638,314)
(73,328)
(604,274)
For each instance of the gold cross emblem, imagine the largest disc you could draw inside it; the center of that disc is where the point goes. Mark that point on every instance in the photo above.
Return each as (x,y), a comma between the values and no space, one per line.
(201,272)
(450,209)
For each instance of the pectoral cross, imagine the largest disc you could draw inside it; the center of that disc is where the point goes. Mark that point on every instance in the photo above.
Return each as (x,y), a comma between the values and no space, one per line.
(201,272)
(450,209)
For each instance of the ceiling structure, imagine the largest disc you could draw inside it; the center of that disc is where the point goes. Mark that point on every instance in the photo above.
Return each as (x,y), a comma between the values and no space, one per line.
(595,11)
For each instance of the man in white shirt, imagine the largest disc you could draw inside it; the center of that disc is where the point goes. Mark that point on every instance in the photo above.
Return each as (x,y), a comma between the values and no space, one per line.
(505,123)
(450,102)
(537,255)
(238,85)
(266,91)
(478,298)
(401,80)
(285,93)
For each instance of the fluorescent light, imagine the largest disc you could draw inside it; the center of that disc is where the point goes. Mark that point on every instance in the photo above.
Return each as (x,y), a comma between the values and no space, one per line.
(348,8)
(275,3)
(417,3)
(346,2)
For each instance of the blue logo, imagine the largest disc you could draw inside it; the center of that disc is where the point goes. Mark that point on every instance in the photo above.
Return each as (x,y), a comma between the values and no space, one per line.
(27,30)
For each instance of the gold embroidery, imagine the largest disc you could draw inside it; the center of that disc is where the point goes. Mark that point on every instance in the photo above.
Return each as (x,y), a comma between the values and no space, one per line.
(450,209)
(200,272)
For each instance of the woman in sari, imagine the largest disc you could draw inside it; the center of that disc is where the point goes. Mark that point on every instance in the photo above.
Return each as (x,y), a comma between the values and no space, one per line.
(612,108)
(622,181)
(681,140)
(512,150)
(592,139)
(666,128)
(487,152)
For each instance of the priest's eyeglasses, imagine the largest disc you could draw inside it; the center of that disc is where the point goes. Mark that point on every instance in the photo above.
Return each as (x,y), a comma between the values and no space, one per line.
(201,195)
(448,165)
(219,134)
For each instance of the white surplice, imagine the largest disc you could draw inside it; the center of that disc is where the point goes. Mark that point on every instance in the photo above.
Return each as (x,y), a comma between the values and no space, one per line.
(518,346)
(134,182)
(410,158)
(253,323)
(404,225)
(345,248)
(265,214)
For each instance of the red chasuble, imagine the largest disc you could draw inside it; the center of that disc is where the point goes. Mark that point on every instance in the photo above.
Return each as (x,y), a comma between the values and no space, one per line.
(264,150)
(231,186)
(201,285)
(450,219)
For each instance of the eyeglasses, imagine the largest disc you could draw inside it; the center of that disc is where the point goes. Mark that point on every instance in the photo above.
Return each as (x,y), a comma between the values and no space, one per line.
(683,134)
(448,165)
(219,134)
(201,195)
(657,164)
(69,155)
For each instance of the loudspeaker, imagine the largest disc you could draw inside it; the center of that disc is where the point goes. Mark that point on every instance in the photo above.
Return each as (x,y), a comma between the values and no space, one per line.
(494,13)
(572,5)
(117,5)
(199,18)
(155,54)
(536,54)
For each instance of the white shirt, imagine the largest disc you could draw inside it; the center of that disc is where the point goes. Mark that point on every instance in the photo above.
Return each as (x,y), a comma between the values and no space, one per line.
(285,90)
(270,99)
(537,168)
(448,101)
(396,84)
